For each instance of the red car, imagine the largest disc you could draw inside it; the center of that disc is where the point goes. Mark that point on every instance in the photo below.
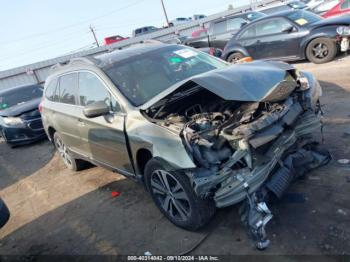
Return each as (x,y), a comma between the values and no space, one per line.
(200,32)
(343,7)
(114,39)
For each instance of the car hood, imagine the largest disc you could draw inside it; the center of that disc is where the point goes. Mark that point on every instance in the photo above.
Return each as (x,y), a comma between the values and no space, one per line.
(21,108)
(338,20)
(254,82)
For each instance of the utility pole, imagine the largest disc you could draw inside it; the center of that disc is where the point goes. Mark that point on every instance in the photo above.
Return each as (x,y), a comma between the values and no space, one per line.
(165,14)
(93,33)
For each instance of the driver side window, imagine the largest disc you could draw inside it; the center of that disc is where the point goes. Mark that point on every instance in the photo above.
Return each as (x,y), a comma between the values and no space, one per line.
(91,90)
(274,26)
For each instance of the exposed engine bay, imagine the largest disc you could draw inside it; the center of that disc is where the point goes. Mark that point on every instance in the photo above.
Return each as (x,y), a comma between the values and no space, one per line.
(247,150)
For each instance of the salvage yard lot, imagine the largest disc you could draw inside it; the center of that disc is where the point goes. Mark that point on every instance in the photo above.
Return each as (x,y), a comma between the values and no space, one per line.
(57,211)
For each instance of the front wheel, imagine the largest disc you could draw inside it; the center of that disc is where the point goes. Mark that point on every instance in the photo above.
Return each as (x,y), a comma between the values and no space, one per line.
(174,196)
(321,50)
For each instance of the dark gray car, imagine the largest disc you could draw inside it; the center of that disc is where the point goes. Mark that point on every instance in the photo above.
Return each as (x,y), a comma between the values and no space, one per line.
(200,133)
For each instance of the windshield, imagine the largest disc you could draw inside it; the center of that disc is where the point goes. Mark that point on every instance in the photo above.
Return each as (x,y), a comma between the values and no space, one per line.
(19,96)
(303,18)
(143,77)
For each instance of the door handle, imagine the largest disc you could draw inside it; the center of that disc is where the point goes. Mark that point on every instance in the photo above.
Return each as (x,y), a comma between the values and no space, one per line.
(213,37)
(81,122)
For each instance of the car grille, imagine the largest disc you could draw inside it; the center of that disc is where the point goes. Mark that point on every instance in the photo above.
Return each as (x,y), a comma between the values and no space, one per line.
(36,124)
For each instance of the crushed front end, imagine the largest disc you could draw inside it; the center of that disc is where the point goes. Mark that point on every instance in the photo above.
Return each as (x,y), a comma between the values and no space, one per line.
(248,150)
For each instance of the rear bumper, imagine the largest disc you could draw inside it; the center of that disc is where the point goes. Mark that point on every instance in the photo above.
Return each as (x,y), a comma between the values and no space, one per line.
(29,133)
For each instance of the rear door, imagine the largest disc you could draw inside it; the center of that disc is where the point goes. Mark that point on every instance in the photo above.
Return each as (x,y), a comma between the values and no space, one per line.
(223,31)
(217,34)
(103,137)
(274,38)
(65,111)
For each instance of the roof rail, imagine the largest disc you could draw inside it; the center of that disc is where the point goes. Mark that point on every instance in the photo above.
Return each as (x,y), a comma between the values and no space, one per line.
(85,59)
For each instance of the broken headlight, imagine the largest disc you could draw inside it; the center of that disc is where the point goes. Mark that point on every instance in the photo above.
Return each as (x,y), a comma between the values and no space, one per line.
(343,30)
(13,121)
(313,87)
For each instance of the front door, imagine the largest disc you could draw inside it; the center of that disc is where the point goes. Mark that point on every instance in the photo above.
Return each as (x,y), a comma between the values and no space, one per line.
(103,137)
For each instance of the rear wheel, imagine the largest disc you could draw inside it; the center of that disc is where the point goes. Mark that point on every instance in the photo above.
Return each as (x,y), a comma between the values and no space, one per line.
(321,50)
(70,162)
(235,57)
(174,196)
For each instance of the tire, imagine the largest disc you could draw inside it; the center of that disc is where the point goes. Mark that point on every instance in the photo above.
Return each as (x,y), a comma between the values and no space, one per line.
(234,57)
(321,50)
(173,195)
(4,213)
(70,162)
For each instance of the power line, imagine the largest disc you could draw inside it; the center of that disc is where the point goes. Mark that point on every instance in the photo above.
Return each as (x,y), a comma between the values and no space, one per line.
(72,25)
(165,14)
(94,34)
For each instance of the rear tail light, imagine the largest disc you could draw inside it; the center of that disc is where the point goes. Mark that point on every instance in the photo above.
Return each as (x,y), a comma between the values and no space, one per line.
(41,105)
(212,51)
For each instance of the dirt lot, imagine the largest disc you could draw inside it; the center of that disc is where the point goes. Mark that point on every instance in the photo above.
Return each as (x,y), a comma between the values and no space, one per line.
(55,211)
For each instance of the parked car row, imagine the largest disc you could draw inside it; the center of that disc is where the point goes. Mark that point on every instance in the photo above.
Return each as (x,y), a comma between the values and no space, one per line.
(20,119)
(287,36)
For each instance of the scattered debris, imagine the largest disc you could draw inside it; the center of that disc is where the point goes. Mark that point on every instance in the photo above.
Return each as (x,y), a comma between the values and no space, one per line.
(314,177)
(343,161)
(341,211)
(115,193)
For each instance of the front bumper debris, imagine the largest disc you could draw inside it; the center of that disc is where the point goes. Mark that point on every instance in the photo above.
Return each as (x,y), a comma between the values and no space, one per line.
(291,151)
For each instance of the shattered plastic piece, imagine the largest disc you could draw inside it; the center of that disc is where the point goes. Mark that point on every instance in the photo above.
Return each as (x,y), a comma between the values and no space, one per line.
(342,212)
(115,194)
(343,161)
(255,215)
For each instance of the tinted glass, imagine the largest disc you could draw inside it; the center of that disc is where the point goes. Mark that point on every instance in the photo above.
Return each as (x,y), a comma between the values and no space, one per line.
(219,27)
(91,90)
(235,23)
(249,32)
(18,96)
(254,15)
(345,5)
(303,18)
(68,88)
(270,27)
(151,73)
(50,92)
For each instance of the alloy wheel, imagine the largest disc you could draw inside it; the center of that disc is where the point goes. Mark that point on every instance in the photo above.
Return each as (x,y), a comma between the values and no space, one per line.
(170,195)
(63,151)
(320,50)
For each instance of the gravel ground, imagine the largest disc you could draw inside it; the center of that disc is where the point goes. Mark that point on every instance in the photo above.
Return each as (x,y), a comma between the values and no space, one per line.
(55,211)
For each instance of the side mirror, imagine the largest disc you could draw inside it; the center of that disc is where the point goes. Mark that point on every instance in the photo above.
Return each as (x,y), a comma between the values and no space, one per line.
(289,29)
(96,109)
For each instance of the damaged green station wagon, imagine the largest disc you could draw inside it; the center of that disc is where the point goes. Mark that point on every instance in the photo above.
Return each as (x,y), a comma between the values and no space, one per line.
(199,133)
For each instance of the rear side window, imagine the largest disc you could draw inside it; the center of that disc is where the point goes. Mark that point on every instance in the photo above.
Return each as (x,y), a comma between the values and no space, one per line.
(219,27)
(50,92)
(249,32)
(270,27)
(68,88)
(235,23)
(91,90)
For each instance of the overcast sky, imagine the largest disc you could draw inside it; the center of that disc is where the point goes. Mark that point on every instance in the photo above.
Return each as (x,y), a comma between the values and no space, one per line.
(35,30)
